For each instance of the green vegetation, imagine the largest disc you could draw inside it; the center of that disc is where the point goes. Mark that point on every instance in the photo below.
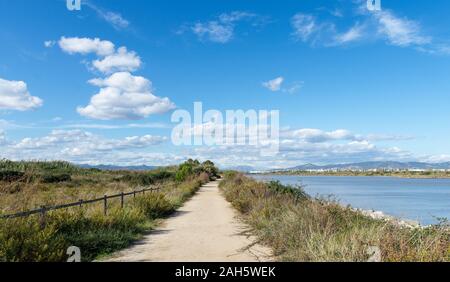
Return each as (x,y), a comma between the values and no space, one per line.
(27,185)
(402,173)
(299,228)
(194,166)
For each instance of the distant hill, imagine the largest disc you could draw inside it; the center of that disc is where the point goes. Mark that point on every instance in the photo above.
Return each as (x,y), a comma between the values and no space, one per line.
(374,165)
(113,167)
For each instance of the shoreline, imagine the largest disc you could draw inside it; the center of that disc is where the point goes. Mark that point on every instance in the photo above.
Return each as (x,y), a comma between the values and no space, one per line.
(353,175)
(401,222)
(374,214)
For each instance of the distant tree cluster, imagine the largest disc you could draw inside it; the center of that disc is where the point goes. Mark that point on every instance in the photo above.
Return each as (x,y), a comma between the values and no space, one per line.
(195,168)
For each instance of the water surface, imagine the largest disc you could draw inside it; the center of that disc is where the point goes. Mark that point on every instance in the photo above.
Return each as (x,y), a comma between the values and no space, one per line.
(421,200)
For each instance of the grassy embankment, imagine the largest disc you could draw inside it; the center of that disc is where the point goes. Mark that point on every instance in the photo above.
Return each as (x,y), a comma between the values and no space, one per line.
(299,228)
(401,174)
(27,185)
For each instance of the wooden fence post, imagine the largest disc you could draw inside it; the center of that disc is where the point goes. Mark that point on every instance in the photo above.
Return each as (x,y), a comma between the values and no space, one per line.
(43,214)
(105,205)
(121,200)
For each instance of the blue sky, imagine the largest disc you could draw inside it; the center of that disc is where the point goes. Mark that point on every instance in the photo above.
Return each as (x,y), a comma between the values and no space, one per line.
(350,84)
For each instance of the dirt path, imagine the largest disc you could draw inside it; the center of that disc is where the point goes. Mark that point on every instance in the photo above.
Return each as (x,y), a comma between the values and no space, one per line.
(204,229)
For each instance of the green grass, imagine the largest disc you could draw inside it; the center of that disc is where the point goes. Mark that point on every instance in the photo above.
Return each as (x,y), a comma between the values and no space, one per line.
(299,228)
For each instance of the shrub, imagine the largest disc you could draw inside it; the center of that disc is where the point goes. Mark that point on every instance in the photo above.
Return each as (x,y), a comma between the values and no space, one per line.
(23,240)
(55,178)
(138,179)
(11,176)
(154,205)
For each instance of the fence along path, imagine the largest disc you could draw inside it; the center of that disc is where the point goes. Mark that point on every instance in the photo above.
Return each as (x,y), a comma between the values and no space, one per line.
(44,209)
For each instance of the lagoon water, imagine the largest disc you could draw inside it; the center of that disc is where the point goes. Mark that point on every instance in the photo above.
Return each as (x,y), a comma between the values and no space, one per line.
(422,200)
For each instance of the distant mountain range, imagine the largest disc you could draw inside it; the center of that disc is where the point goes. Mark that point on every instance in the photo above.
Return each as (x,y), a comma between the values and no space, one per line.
(113,167)
(375,165)
(356,166)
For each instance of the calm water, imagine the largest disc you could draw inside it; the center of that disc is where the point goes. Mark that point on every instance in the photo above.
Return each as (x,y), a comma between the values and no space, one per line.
(417,199)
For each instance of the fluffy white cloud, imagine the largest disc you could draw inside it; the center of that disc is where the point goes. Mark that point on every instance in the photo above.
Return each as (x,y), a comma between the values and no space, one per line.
(124,96)
(121,95)
(122,60)
(78,140)
(74,45)
(85,147)
(110,60)
(124,81)
(14,95)
(274,84)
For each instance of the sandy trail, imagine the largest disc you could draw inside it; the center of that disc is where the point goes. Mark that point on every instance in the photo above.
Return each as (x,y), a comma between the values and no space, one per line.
(205,229)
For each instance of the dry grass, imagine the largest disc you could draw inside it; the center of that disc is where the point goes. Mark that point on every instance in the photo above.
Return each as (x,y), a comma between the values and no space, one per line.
(299,228)
(29,239)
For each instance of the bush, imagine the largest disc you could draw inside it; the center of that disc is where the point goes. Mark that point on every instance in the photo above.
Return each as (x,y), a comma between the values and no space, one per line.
(55,178)
(23,240)
(162,175)
(11,176)
(138,179)
(154,205)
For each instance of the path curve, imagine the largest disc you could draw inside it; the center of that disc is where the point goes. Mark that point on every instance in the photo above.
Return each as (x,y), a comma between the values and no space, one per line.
(205,229)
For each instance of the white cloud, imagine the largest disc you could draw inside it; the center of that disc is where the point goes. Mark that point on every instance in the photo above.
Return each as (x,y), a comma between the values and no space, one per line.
(122,60)
(74,45)
(398,31)
(309,29)
(2,138)
(214,31)
(121,95)
(14,95)
(78,140)
(124,96)
(85,147)
(378,25)
(115,126)
(304,26)
(294,88)
(124,81)
(116,20)
(318,136)
(109,60)
(49,43)
(274,84)
(222,29)
(353,34)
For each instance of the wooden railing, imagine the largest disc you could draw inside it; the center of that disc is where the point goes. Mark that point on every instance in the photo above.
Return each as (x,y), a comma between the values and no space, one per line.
(44,209)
